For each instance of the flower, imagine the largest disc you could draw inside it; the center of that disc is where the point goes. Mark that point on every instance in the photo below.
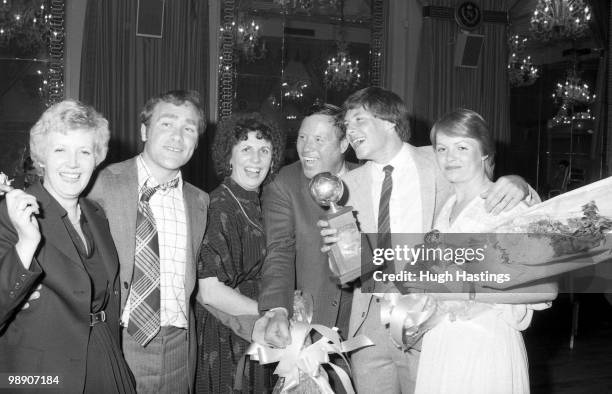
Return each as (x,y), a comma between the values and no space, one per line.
(5,183)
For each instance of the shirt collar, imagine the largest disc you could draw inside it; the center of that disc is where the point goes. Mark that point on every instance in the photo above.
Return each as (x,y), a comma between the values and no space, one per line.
(400,161)
(145,178)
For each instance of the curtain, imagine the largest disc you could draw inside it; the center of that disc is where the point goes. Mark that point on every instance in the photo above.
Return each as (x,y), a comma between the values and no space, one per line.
(441,87)
(120,71)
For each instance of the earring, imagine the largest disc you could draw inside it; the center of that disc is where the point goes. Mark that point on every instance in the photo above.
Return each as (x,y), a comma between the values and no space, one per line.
(231,167)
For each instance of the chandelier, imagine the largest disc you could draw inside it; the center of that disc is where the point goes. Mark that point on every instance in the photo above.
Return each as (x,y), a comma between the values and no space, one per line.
(295,80)
(562,117)
(294,90)
(521,71)
(574,91)
(24,28)
(560,20)
(575,97)
(248,42)
(342,72)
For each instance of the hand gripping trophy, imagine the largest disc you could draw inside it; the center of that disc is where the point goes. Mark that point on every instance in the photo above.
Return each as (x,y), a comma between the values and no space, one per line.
(345,255)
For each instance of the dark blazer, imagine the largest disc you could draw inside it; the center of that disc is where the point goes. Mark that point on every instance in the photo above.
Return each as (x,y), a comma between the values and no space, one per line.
(51,335)
(294,259)
(116,190)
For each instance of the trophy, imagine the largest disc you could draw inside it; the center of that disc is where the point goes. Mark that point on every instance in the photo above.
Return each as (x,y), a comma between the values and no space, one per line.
(345,255)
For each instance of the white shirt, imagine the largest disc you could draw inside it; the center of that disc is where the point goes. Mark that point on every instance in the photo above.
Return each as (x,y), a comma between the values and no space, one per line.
(168,207)
(405,205)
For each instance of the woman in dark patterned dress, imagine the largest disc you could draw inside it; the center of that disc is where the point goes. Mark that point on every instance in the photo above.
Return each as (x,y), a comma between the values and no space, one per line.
(247,151)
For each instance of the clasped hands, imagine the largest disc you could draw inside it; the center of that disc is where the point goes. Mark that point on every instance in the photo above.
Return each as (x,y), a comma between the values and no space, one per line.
(272,329)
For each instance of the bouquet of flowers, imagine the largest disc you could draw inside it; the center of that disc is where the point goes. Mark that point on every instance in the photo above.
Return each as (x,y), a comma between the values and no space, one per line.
(566,233)
(300,364)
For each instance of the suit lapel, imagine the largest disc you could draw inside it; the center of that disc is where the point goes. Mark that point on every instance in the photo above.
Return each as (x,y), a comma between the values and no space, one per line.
(427,179)
(102,240)
(360,195)
(125,193)
(195,212)
(52,225)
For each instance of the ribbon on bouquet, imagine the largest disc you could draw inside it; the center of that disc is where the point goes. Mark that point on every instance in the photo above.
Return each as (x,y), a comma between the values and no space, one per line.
(408,317)
(296,357)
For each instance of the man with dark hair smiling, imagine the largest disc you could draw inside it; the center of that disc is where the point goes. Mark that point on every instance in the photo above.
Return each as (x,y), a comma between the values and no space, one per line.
(157,221)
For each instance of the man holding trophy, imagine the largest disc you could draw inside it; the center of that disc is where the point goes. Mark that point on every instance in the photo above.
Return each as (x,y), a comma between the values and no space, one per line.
(396,191)
(294,260)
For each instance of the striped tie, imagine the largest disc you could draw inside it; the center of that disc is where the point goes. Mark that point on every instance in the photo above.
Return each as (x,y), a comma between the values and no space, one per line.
(384,224)
(144,321)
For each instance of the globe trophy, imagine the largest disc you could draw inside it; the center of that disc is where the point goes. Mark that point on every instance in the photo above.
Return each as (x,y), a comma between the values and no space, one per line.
(345,255)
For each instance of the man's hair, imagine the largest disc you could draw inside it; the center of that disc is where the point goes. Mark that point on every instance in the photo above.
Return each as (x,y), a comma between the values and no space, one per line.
(176,97)
(334,112)
(383,104)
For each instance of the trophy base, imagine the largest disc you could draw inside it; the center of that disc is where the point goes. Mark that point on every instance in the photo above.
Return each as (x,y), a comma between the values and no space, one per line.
(345,254)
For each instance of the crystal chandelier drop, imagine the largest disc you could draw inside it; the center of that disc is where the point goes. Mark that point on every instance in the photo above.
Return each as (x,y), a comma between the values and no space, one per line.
(560,20)
(574,91)
(521,72)
(342,72)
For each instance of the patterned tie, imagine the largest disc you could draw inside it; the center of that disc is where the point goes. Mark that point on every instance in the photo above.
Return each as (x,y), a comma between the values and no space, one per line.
(144,321)
(384,223)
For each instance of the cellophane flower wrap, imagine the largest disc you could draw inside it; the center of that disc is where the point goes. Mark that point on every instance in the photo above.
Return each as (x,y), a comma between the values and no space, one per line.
(5,183)
(563,234)
(300,364)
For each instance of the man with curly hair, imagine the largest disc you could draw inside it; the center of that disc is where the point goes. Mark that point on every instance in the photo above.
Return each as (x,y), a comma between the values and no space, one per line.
(157,221)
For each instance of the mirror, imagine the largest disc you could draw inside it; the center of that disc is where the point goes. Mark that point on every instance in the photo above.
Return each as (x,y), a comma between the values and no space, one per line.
(281,57)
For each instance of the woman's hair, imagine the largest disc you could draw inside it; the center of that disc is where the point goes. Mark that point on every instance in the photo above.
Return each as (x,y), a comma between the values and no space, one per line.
(63,117)
(466,123)
(236,128)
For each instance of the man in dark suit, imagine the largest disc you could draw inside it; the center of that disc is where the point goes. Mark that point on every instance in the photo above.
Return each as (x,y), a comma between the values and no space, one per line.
(162,357)
(294,260)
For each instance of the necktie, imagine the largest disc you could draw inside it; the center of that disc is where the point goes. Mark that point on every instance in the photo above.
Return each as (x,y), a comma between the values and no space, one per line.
(384,223)
(144,321)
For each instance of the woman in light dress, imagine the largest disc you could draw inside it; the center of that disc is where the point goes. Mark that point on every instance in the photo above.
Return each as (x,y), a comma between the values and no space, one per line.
(480,348)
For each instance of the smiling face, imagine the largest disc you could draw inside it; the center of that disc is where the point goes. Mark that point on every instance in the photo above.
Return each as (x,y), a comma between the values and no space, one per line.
(319,147)
(250,161)
(170,139)
(459,158)
(372,138)
(69,162)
